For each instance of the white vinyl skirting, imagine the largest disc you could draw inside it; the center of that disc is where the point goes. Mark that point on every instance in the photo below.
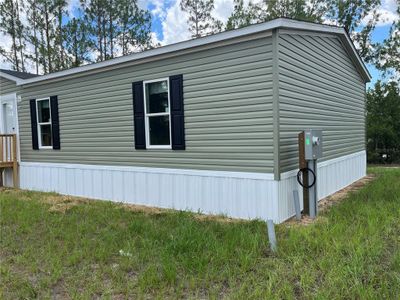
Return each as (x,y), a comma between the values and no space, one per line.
(332,176)
(234,194)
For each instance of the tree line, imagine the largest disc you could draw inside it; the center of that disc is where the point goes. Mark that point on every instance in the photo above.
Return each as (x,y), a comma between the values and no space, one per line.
(43,34)
(383,123)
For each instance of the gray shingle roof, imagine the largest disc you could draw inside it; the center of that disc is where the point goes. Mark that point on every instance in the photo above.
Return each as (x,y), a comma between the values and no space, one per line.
(21,75)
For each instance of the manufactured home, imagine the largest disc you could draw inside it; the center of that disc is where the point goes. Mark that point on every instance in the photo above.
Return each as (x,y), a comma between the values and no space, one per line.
(208,125)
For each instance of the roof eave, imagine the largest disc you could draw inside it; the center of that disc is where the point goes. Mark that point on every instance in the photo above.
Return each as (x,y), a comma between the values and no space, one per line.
(253,29)
(17,80)
(360,64)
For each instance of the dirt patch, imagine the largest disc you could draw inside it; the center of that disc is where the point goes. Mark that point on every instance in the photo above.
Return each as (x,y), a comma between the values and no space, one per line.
(58,203)
(144,209)
(220,219)
(158,211)
(333,199)
(61,204)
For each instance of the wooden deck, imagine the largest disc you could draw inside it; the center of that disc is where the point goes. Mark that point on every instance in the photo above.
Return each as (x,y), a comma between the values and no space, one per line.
(8,156)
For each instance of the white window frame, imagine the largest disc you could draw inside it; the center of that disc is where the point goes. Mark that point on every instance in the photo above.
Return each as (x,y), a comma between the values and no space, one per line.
(43,123)
(148,115)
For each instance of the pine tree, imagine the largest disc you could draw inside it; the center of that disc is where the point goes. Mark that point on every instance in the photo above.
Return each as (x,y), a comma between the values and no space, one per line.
(117,27)
(200,21)
(244,16)
(59,12)
(311,10)
(11,25)
(97,17)
(47,34)
(134,27)
(32,31)
(77,41)
(20,33)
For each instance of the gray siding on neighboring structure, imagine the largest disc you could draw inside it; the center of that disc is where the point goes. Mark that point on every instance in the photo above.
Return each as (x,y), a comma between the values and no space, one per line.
(7,86)
(228,112)
(319,87)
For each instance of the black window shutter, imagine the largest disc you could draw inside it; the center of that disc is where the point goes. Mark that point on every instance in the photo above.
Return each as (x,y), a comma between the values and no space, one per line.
(55,122)
(35,142)
(177,118)
(138,113)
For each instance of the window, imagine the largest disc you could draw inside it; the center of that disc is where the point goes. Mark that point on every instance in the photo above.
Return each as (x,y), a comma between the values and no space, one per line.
(44,123)
(157,114)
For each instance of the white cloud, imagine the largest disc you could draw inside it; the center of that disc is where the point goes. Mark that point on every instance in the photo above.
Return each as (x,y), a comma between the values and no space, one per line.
(175,27)
(154,38)
(72,8)
(387,13)
(142,4)
(222,9)
(332,22)
(5,42)
(158,8)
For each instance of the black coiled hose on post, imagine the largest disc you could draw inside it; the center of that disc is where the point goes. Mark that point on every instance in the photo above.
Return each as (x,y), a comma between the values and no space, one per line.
(304,171)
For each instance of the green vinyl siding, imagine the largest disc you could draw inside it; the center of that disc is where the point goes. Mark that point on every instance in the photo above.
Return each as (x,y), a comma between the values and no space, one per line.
(319,87)
(227,102)
(7,86)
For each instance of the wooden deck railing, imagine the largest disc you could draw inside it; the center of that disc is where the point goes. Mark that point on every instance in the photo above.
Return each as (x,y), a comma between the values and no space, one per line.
(8,156)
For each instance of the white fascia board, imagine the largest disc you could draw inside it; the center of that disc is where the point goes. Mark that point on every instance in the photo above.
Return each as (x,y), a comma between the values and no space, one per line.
(356,56)
(226,35)
(17,80)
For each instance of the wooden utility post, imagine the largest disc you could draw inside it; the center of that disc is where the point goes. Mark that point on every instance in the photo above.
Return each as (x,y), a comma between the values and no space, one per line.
(303,164)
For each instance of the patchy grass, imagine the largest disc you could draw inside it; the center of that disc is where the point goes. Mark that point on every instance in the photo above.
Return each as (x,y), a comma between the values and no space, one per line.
(95,249)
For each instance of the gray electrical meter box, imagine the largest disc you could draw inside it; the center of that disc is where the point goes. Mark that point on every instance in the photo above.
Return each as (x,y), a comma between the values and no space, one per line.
(312,144)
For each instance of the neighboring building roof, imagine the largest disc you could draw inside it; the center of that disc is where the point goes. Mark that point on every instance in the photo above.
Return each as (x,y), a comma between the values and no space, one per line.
(15,75)
(226,35)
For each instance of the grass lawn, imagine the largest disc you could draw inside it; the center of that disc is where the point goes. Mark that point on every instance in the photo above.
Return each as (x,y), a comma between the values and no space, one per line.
(98,249)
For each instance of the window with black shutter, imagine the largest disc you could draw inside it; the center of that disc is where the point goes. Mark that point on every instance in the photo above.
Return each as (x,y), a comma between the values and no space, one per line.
(158,113)
(177,117)
(45,123)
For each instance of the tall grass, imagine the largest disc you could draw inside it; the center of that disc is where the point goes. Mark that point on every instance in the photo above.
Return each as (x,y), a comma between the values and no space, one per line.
(100,249)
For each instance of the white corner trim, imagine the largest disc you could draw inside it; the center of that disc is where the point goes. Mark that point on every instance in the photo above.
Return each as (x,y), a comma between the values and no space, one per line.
(226,35)
(189,172)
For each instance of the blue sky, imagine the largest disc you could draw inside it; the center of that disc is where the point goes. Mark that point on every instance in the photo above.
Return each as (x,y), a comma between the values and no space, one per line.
(379,34)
